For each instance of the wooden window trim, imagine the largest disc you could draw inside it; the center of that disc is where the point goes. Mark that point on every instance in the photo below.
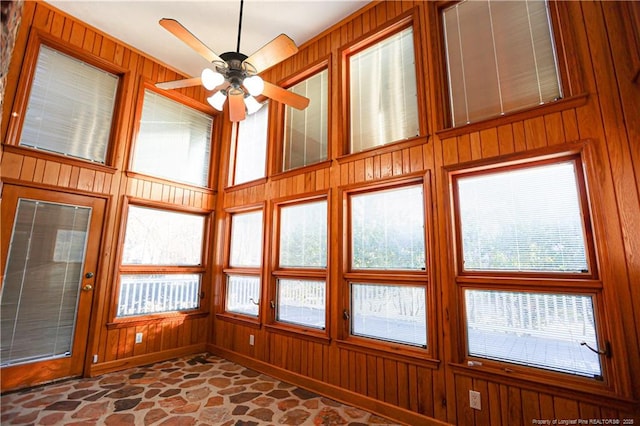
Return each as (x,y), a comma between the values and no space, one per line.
(38,38)
(411,18)
(278,116)
(573,88)
(203,269)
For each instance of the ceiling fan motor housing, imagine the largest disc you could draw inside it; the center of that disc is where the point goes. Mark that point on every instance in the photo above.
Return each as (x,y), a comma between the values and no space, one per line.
(236,70)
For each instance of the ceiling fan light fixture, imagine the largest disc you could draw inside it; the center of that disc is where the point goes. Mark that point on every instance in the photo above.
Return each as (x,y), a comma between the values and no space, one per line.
(251,104)
(217,100)
(211,79)
(254,85)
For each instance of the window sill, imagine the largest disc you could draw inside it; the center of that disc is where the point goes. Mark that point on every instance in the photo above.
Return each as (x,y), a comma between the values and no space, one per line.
(164,181)
(239,319)
(390,350)
(131,321)
(244,185)
(303,169)
(61,158)
(383,149)
(308,333)
(549,108)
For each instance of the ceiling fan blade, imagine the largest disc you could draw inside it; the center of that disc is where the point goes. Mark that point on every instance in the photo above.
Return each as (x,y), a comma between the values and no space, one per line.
(177,84)
(286,97)
(277,50)
(236,107)
(176,28)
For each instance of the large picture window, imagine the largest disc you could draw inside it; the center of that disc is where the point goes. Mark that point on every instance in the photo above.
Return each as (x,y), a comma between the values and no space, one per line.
(500,58)
(70,108)
(162,265)
(174,141)
(383,94)
(524,238)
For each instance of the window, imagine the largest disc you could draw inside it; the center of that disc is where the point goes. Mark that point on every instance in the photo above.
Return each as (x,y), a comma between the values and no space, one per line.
(529,220)
(302,264)
(500,58)
(251,147)
(305,132)
(244,263)
(170,243)
(387,281)
(70,108)
(174,141)
(383,92)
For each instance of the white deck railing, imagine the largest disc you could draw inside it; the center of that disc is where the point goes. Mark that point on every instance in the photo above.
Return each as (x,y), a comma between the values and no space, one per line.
(147,294)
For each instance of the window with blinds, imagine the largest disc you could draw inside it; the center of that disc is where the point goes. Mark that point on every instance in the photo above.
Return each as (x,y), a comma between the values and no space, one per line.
(70,108)
(174,141)
(251,147)
(305,131)
(500,58)
(383,93)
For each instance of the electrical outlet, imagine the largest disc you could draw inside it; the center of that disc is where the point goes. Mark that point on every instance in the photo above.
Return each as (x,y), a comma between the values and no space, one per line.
(138,337)
(95,359)
(252,340)
(474,400)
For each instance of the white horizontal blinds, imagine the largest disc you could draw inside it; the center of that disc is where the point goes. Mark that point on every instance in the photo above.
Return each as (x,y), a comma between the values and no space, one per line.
(305,131)
(144,294)
(534,329)
(383,93)
(523,220)
(303,235)
(246,239)
(70,108)
(161,237)
(500,58)
(395,313)
(42,281)
(302,302)
(251,147)
(174,141)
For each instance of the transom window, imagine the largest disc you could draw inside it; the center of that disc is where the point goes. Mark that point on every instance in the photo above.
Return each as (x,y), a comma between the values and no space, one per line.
(70,108)
(174,141)
(500,58)
(305,131)
(251,147)
(172,243)
(383,92)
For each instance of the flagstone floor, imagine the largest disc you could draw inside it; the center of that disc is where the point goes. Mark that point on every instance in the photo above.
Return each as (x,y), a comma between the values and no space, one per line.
(192,391)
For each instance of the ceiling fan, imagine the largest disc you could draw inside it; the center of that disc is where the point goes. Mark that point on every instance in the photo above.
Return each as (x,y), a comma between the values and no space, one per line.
(234,74)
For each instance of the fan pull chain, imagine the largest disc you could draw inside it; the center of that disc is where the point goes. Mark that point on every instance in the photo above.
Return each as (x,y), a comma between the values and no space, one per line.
(240,25)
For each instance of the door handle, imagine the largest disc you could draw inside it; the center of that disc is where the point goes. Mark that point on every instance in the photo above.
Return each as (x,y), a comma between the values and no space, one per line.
(87,287)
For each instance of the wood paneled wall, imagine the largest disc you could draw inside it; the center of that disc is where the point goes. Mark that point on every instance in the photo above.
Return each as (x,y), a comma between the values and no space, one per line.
(114,344)
(600,120)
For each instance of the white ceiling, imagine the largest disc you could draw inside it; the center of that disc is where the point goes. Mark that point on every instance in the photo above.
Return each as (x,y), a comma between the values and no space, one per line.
(214,22)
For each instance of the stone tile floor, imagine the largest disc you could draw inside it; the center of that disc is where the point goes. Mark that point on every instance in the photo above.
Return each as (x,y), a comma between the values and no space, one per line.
(197,390)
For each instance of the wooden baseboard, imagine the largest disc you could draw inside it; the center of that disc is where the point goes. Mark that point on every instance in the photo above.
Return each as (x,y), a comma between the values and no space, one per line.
(137,361)
(337,393)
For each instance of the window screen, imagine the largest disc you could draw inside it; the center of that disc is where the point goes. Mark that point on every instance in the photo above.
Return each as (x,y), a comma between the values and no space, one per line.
(383,93)
(500,58)
(174,141)
(70,108)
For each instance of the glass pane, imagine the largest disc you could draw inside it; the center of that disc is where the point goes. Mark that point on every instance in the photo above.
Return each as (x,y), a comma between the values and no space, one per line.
(42,281)
(305,131)
(500,58)
(387,229)
(70,107)
(251,147)
(389,312)
(174,141)
(243,294)
(528,219)
(534,329)
(303,235)
(383,93)
(161,237)
(302,302)
(149,294)
(246,239)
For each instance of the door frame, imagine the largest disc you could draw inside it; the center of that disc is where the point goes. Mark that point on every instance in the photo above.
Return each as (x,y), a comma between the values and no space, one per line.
(34,373)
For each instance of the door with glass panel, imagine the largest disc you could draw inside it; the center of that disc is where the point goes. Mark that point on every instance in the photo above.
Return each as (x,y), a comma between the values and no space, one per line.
(50,244)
